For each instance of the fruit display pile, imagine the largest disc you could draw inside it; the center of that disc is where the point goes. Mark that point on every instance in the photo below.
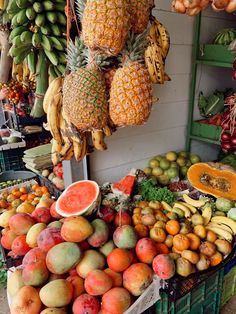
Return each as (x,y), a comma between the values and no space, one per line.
(110,80)
(56,176)
(194,7)
(98,248)
(170,166)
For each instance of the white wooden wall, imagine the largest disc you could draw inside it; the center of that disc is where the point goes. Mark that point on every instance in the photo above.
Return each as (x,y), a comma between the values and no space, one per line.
(165,130)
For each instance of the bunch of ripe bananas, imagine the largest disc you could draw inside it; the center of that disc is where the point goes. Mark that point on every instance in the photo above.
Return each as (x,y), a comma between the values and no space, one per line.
(67,140)
(156,52)
(21,73)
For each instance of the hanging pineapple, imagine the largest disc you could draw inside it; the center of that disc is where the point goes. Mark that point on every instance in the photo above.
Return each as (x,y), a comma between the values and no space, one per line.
(140,11)
(131,88)
(105,24)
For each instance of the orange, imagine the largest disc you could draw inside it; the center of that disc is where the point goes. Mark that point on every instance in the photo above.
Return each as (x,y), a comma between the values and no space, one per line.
(181,242)
(44,189)
(24,197)
(172,227)
(194,241)
(34,187)
(23,190)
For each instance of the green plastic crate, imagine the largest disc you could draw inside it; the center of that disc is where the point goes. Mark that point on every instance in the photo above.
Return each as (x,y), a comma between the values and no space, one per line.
(11,159)
(215,53)
(205,298)
(229,286)
(204,130)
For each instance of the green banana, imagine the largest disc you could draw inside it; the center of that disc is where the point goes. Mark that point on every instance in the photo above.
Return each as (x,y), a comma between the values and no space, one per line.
(30,13)
(46,30)
(57,44)
(38,7)
(58,73)
(48,6)
(21,56)
(60,7)
(62,57)
(61,18)
(26,37)
(17,31)
(17,41)
(46,43)
(61,68)
(56,30)
(21,17)
(12,7)
(51,17)
(36,40)
(31,61)
(63,42)
(51,55)
(40,20)
(22,3)
(51,71)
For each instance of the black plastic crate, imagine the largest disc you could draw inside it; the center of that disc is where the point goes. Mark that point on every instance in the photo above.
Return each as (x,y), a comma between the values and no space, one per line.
(11,159)
(178,286)
(53,190)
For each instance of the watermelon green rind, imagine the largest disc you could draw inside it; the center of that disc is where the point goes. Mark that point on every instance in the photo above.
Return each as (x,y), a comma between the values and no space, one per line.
(72,192)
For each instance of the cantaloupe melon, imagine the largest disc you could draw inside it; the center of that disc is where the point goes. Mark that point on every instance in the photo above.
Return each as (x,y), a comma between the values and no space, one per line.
(80,198)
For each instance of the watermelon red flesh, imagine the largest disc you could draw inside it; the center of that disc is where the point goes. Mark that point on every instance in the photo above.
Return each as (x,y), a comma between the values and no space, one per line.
(124,186)
(77,197)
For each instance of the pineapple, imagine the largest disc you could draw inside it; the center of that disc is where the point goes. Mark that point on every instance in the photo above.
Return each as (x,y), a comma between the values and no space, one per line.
(84,92)
(140,11)
(105,24)
(131,89)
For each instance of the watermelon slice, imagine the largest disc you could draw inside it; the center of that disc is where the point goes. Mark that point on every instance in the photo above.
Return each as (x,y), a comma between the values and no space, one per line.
(80,198)
(125,186)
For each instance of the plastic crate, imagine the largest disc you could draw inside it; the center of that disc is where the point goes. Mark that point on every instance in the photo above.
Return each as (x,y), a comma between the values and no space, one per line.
(216,53)
(51,187)
(15,175)
(204,130)
(229,286)
(11,159)
(205,298)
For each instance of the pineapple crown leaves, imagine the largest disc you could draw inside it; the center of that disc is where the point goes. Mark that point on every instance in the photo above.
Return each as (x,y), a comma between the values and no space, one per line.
(79,7)
(79,56)
(135,47)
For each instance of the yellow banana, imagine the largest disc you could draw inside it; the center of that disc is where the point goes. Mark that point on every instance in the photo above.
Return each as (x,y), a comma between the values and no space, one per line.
(224,227)
(191,201)
(80,148)
(220,232)
(26,72)
(154,63)
(2,4)
(206,214)
(166,206)
(53,88)
(98,140)
(164,38)
(187,212)
(107,131)
(53,117)
(192,208)
(69,154)
(56,148)
(225,221)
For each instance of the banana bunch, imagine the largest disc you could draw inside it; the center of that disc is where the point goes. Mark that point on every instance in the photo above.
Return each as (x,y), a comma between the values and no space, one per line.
(38,25)
(156,52)
(224,227)
(21,73)
(225,37)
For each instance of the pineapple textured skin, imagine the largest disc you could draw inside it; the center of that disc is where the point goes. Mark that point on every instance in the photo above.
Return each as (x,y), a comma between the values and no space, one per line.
(131,95)
(140,11)
(84,99)
(105,25)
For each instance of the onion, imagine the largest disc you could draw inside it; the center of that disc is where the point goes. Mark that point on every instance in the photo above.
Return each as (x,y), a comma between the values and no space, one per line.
(204,3)
(179,7)
(221,4)
(231,7)
(190,4)
(234,64)
(234,75)
(226,146)
(225,137)
(233,140)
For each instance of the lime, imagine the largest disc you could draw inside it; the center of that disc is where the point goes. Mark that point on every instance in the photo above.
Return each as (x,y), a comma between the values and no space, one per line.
(183,153)
(181,161)
(157,171)
(147,171)
(171,156)
(163,179)
(174,164)
(164,164)
(172,173)
(188,163)
(158,157)
(184,170)
(194,159)
(153,163)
